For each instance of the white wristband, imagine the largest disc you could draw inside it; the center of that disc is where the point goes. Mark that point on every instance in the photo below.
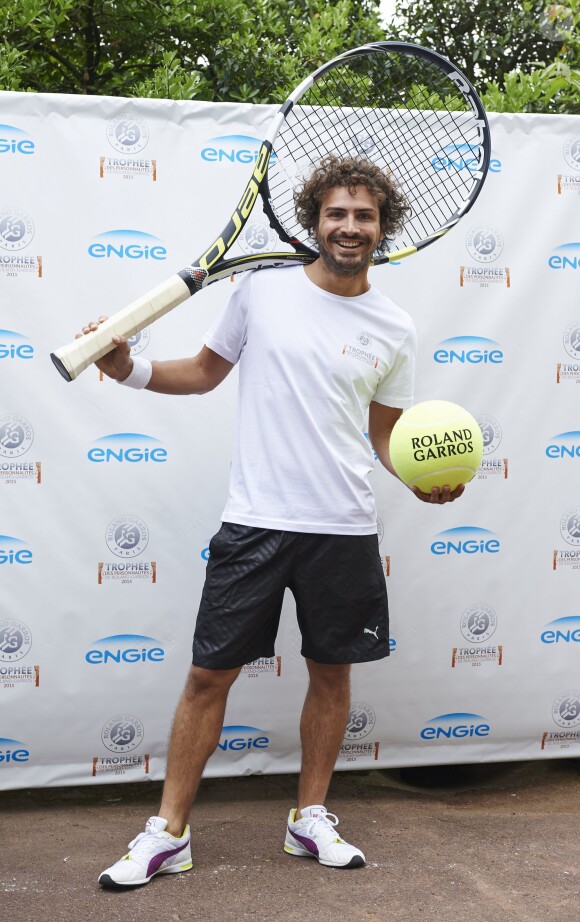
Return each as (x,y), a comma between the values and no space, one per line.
(140,374)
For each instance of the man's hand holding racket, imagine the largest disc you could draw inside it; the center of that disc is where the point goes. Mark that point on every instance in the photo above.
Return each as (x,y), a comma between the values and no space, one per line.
(117,363)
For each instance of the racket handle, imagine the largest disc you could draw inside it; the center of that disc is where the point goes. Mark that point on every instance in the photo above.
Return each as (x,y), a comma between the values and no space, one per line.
(71,360)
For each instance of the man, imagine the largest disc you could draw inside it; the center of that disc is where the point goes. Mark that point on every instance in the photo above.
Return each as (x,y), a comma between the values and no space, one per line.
(318,348)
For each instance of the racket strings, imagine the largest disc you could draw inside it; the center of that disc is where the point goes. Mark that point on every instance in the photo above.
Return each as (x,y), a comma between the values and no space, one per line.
(415,176)
(404,145)
(422,93)
(402,112)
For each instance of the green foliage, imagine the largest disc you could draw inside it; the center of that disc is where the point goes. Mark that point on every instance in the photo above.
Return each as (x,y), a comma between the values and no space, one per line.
(239,50)
(485,38)
(522,56)
(555,88)
(11,66)
(170,80)
(551,88)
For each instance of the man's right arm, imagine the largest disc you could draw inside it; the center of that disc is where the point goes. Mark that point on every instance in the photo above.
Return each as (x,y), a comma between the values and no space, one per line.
(196,375)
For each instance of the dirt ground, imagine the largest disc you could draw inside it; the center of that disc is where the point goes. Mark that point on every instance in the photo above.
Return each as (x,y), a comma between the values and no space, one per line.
(491,843)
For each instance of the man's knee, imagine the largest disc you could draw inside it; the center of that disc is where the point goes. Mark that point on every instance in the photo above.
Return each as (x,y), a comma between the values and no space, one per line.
(329,676)
(212,681)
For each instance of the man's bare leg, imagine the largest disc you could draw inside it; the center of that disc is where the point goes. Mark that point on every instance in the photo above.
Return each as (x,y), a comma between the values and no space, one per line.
(196,731)
(322,725)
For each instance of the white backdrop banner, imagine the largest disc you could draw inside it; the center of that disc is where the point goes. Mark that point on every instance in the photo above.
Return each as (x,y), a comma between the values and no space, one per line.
(108,497)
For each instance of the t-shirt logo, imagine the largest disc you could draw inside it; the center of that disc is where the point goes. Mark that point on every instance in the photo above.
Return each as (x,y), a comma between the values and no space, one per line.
(361,350)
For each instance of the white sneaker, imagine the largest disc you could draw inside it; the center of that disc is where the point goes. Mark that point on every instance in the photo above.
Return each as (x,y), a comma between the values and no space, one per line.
(151,852)
(314,836)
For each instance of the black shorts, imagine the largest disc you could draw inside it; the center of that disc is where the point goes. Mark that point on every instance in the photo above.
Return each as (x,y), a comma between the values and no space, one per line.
(337,581)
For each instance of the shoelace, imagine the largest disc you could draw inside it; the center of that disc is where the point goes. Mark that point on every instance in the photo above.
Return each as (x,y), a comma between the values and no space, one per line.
(322,826)
(148,840)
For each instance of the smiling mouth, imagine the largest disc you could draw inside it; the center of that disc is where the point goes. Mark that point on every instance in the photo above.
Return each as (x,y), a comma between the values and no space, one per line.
(348,244)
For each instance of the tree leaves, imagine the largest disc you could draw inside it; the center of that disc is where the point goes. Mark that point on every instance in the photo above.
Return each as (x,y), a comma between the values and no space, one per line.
(237,50)
(522,56)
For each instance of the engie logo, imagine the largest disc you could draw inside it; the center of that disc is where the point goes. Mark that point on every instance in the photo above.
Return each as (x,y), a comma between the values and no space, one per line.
(14,551)
(15,346)
(564,445)
(127,446)
(232,148)
(562,630)
(12,751)
(457,157)
(125,648)
(455,727)
(127,244)
(240,737)
(468,350)
(566,256)
(465,540)
(15,141)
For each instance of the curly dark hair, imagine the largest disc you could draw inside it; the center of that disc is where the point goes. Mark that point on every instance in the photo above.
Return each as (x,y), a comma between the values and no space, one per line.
(349,172)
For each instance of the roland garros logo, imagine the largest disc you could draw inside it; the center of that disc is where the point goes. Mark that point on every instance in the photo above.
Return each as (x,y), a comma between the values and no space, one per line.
(122,733)
(127,536)
(16,229)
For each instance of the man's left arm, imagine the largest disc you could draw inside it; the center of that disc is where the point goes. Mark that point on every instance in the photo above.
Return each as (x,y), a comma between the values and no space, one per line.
(381,421)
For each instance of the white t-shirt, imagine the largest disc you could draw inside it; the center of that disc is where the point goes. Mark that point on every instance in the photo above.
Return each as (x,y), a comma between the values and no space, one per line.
(310,363)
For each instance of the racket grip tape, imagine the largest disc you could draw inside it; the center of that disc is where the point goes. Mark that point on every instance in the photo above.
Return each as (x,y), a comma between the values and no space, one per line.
(72,359)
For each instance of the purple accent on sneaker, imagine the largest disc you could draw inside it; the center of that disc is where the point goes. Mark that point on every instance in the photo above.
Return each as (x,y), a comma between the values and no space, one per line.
(307,843)
(158,860)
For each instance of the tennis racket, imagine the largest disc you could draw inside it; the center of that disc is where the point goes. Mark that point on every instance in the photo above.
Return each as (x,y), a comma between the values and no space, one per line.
(406,108)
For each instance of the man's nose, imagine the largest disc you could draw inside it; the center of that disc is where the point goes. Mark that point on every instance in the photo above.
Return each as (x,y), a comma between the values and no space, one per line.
(349,223)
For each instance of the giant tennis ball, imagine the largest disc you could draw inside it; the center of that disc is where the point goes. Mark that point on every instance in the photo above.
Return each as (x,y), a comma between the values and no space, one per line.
(436,444)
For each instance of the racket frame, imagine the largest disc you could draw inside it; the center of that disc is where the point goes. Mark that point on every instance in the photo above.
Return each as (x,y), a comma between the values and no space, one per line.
(210,267)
